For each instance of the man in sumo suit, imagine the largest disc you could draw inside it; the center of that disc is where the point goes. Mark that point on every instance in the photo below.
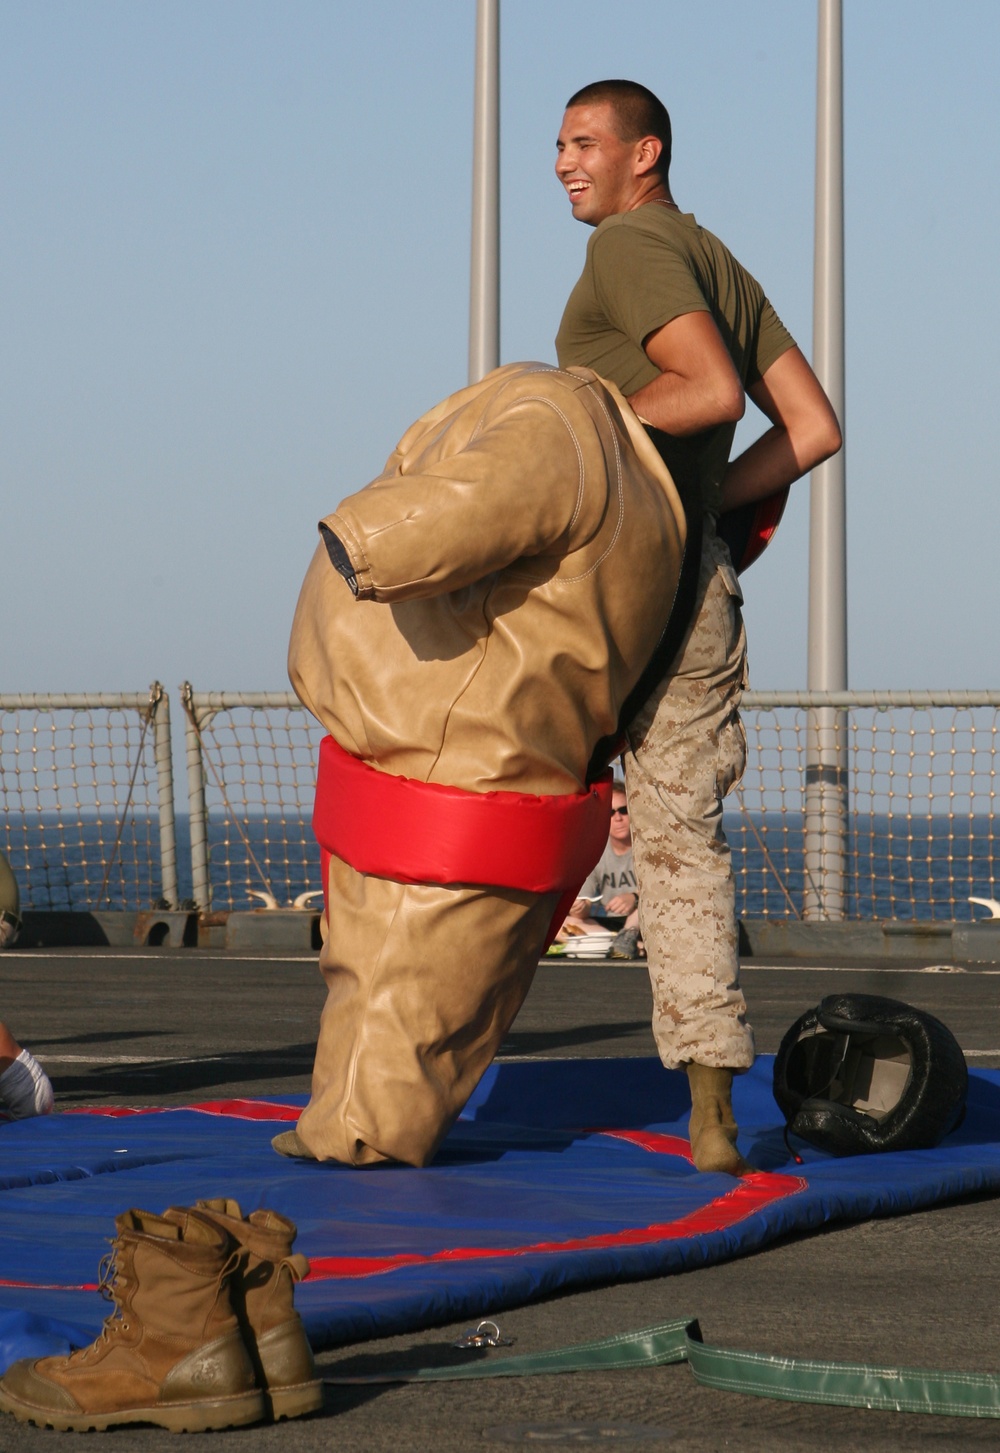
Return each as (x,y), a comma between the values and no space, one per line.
(470,632)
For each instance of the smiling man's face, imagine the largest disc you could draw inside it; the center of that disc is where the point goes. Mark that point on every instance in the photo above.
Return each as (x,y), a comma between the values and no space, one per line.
(597,168)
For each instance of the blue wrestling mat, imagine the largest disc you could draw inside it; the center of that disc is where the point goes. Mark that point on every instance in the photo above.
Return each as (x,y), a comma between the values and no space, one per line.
(560,1174)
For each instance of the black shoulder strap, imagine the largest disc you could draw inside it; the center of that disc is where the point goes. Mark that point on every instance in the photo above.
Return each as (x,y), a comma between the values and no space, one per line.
(681,610)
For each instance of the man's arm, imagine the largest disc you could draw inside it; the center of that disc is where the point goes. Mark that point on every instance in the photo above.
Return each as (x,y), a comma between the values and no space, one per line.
(805,432)
(698,386)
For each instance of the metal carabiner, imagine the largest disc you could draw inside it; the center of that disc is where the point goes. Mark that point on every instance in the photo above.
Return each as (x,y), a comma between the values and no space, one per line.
(487,1334)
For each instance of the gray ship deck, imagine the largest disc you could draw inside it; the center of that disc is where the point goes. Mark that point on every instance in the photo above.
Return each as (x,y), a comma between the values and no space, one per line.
(165,1026)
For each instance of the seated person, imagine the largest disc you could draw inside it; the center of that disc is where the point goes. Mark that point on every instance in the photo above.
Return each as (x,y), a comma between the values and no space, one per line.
(10,905)
(24,1085)
(611,891)
(25,1088)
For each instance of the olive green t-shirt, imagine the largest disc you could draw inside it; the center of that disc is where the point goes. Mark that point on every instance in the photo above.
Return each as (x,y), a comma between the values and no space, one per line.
(643,269)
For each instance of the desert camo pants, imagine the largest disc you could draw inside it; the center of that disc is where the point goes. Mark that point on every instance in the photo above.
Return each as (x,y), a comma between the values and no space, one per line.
(687,750)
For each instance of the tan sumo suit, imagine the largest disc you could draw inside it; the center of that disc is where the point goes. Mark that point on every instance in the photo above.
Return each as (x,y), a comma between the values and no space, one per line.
(515,564)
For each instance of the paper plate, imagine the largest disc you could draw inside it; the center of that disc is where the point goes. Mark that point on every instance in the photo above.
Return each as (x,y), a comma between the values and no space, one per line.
(589,945)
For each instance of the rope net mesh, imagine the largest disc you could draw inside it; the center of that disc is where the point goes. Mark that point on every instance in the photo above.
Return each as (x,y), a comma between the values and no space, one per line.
(906,816)
(905,795)
(259,772)
(80,808)
(908,822)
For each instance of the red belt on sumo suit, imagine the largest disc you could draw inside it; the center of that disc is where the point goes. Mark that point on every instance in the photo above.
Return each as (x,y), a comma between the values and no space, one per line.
(422,832)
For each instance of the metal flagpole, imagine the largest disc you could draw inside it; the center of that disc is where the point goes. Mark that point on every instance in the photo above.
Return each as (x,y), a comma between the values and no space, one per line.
(484,293)
(826,759)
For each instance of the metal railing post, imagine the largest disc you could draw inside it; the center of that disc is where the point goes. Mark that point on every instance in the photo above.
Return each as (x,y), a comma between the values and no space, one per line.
(826,786)
(165,786)
(825,884)
(484,289)
(201,884)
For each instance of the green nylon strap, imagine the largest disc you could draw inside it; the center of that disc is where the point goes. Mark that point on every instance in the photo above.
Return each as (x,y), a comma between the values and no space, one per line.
(648,1348)
(846,1384)
(843,1384)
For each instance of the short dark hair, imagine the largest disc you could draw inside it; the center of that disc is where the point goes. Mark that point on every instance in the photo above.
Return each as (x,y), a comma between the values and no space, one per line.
(636,110)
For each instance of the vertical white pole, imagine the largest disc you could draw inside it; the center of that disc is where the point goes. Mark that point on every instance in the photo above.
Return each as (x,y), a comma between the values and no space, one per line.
(201,882)
(826,762)
(484,292)
(163,753)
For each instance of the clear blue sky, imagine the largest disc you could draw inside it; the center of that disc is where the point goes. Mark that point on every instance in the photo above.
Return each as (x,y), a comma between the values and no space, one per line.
(234,245)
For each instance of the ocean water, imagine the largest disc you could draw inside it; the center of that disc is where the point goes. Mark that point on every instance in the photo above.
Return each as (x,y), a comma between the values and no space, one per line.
(896,867)
(904,868)
(65,865)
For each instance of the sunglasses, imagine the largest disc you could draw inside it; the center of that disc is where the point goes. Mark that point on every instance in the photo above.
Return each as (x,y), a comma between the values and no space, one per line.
(619,812)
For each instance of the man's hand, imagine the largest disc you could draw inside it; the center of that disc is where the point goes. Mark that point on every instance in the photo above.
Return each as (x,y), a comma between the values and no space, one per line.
(698,386)
(805,432)
(580,908)
(621,905)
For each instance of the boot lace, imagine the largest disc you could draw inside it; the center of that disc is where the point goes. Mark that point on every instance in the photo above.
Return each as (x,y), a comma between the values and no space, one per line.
(107,1274)
(112,1283)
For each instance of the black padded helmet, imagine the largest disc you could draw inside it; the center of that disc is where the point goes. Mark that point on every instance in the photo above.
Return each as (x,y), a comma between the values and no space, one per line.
(860,1073)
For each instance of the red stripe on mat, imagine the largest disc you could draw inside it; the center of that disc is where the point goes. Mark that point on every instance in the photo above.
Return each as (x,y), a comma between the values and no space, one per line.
(52,1286)
(752,1194)
(653,1141)
(234,1109)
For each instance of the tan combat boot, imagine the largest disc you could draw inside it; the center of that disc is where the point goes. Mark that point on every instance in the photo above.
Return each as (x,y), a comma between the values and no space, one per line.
(263,1290)
(171,1353)
(712,1129)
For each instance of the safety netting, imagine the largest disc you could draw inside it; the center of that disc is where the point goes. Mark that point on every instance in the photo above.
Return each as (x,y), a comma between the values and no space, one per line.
(560,1174)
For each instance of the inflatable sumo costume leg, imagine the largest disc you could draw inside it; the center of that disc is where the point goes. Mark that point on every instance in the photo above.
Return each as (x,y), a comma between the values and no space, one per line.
(445,968)
(469,631)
